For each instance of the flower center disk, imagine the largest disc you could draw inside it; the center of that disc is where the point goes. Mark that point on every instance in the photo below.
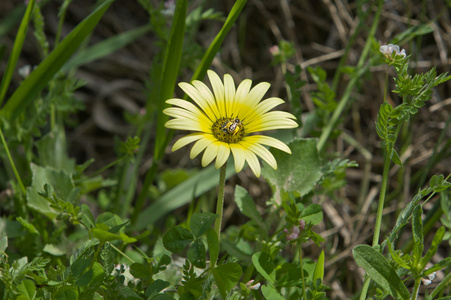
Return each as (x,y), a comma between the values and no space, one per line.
(228,130)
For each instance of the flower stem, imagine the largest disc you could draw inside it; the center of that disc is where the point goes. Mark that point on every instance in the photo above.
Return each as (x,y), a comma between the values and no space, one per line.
(220,200)
(416,288)
(302,272)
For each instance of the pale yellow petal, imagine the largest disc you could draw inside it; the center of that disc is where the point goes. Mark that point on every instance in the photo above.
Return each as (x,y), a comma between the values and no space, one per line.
(197,97)
(210,153)
(201,144)
(254,97)
(271,120)
(184,124)
(240,97)
(229,89)
(253,162)
(262,152)
(238,156)
(218,90)
(205,91)
(263,107)
(268,141)
(223,155)
(186,140)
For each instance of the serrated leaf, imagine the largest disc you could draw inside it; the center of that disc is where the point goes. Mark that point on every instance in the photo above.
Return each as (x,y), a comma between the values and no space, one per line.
(296,172)
(380,270)
(264,264)
(197,254)
(312,214)
(227,276)
(177,238)
(201,222)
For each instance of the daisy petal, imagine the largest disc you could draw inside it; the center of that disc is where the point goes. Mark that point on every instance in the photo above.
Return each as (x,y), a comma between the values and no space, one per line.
(210,153)
(253,162)
(263,153)
(229,89)
(238,156)
(268,141)
(197,97)
(200,145)
(186,140)
(223,155)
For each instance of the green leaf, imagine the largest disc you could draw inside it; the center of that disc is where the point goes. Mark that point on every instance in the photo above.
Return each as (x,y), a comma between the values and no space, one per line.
(67,293)
(312,214)
(79,266)
(15,53)
(87,216)
(177,238)
(213,245)
(3,244)
(417,232)
(227,276)
(296,172)
(197,254)
(201,222)
(45,71)
(60,180)
(104,235)
(27,290)
(211,52)
(155,288)
(395,256)
(247,206)
(171,68)
(271,293)
(106,47)
(380,270)
(438,237)
(265,266)
(52,151)
(319,268)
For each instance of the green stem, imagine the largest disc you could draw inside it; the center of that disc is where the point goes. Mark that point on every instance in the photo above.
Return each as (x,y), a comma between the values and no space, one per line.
(13,166)
(416,289)
(220,200)
(383,192)
(302,272)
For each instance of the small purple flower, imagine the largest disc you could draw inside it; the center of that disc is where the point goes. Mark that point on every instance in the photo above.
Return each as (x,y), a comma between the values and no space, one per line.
(295,231)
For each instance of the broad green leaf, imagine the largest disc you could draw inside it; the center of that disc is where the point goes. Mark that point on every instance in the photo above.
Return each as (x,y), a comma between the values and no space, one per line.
(60,180)
(52,151)
(27,290)
(105,47)
(67,293)
(177,238)
(319,268)
(213,245)
(15,52)
(264,264)
(197,254)
(45,71)
(79,266)
(380,270)
(201,222)
(180,195)
(98,275)
(3,244)
(155,288)
(227,276)
(84,279)
(312,214)
(214,47)
(271,293)
(140,271)
(55,250)
(296,172)
(247,206)
(171,66)
(87,216)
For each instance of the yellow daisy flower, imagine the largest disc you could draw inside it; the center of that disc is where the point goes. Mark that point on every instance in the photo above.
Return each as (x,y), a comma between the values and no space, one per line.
(223,120)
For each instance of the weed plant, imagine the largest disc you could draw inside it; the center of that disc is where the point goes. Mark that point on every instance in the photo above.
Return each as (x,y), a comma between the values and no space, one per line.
(146,218)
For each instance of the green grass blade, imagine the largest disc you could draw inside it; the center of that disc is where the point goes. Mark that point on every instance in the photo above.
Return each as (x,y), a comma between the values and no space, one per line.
(180,195)
(15,53)
(105,47)
(217,42)
(171,67)
(39,78)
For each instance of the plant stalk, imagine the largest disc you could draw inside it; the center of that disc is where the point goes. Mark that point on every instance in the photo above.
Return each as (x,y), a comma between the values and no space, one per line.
(302,272)
(220,200)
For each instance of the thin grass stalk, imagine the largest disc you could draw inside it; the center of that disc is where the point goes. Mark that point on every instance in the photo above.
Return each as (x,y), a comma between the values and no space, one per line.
(346,99)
